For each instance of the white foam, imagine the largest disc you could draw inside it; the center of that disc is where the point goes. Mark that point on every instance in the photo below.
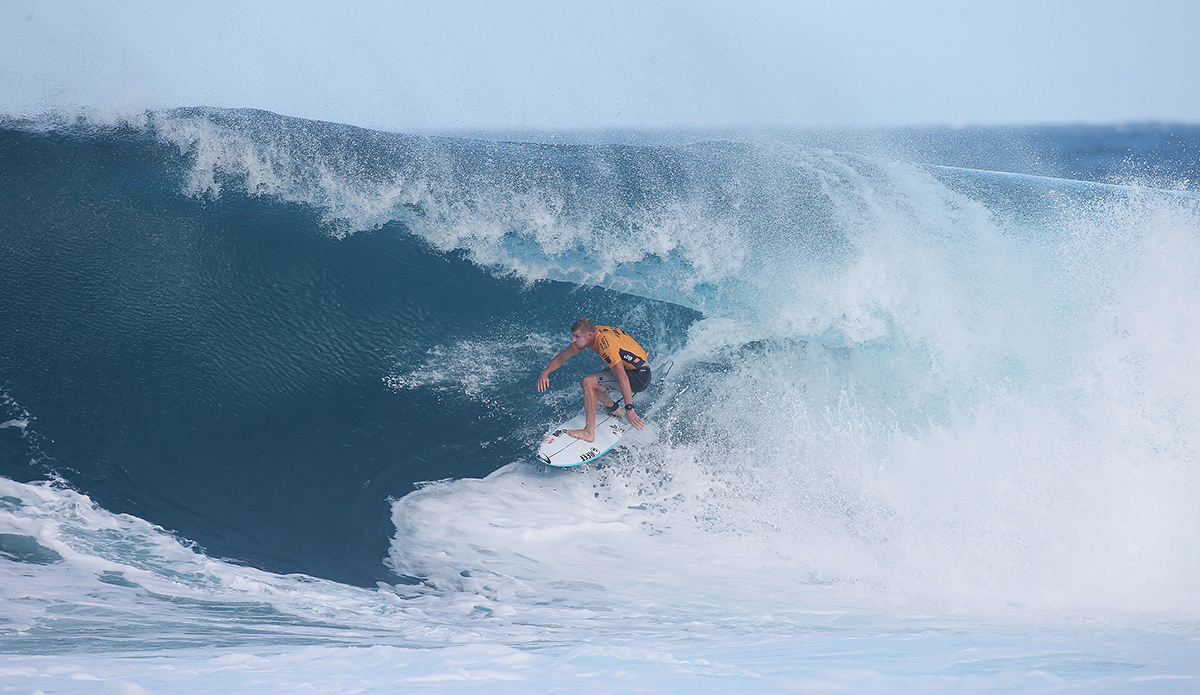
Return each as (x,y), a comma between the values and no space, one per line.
(964,418)
(916,662)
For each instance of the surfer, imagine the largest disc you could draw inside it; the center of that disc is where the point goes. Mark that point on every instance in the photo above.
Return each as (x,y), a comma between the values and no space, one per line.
(628,372)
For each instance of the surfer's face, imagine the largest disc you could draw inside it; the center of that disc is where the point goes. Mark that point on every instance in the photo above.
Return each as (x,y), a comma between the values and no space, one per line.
(582,340)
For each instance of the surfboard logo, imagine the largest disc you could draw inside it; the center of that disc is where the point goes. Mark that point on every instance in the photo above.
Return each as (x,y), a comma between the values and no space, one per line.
(589,454)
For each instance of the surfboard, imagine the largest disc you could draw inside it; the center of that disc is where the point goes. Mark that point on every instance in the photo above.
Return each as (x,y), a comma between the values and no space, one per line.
(562,450)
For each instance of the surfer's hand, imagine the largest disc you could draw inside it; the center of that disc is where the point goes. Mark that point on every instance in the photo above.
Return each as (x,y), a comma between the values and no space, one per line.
(634,420)
(543,382)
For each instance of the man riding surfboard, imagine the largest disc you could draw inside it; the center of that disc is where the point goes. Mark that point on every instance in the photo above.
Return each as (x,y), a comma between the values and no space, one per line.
(628,372)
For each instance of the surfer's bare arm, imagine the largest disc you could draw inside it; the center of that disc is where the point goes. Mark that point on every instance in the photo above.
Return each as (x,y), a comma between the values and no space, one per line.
(627,393)
(543,381)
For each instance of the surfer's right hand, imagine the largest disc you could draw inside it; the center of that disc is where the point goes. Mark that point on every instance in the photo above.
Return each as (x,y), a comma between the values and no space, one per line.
(543,382)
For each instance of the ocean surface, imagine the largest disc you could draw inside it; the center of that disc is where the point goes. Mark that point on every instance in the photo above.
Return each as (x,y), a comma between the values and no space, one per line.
(268,409)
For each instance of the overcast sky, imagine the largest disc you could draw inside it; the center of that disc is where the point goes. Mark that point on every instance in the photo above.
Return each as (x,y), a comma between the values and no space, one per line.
(570,64)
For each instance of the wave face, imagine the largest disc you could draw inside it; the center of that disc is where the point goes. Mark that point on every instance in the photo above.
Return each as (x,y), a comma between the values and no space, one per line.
(899,388)
(222,365)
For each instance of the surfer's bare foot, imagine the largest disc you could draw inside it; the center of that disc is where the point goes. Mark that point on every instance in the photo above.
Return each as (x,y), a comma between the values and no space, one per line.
(583,434)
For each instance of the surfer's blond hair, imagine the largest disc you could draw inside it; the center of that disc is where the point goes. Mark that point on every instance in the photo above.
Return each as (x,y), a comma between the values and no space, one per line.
(583,326)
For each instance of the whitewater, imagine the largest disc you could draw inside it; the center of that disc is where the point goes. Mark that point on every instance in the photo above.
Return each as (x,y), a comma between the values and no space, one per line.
(931,424)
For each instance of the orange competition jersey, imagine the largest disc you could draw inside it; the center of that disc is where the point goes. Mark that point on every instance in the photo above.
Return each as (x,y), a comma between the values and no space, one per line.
(618,347)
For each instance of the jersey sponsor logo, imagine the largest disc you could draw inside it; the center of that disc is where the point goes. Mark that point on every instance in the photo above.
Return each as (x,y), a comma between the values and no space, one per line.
(632,359)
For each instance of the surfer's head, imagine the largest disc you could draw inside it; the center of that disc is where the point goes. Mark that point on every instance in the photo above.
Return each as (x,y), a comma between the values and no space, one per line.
(583,332)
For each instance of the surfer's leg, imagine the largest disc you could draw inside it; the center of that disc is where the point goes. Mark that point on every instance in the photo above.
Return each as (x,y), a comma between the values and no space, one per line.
(590,390)
(605,380)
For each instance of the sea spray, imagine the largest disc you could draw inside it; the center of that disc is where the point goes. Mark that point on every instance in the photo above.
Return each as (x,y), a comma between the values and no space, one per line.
(952,394)
(979,419)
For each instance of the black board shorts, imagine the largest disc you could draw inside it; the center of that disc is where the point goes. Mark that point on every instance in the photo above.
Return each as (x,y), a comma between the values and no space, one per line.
(639,379)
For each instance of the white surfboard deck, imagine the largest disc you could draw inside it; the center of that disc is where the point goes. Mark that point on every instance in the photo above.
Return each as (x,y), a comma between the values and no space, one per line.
(563,451)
